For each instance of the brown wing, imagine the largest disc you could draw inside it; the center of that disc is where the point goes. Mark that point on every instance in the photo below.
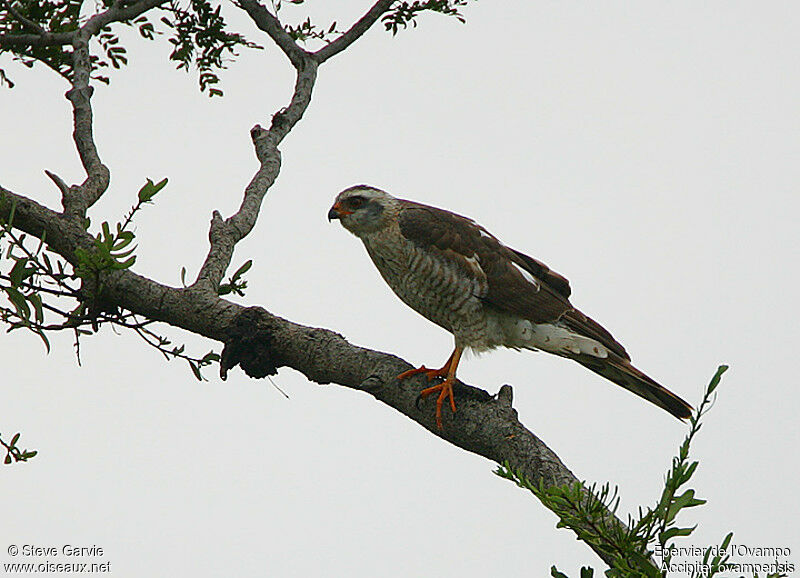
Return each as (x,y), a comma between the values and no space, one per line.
(507,288)
(546,300)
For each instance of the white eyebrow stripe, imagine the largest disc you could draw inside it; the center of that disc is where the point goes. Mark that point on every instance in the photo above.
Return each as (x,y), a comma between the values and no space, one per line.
(528,277)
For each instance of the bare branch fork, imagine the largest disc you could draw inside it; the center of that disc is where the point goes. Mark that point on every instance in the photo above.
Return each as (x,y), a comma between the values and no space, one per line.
(258,340)
(224,235)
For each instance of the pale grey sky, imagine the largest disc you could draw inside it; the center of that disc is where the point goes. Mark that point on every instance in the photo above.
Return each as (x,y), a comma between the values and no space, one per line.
(649,152)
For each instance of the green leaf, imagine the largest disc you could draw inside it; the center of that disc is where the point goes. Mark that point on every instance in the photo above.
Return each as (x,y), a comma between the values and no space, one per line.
(150,189)
(716,379)
(17,272)
(14,440)
(8,458)
(727,541)
(124,264)
(243,269)
(124,238)
(41,243)
(11,213)
(19,302)
(210,357)
(44,339)
(36,300)
(685,500)
(121,254)
(672,532)
(556,574)
(195,370)
(687,473)
(645,565)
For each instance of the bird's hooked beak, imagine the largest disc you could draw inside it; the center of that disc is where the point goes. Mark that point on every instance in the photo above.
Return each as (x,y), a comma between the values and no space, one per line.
(334,213)
(337,212)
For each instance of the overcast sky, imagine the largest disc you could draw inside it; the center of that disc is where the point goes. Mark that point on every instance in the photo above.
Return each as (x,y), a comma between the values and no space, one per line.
(649,152)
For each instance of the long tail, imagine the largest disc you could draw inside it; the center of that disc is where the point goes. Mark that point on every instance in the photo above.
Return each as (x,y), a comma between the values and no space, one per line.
(620,371)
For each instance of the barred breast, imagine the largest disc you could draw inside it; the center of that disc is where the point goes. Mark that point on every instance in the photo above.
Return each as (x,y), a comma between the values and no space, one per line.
(435,287)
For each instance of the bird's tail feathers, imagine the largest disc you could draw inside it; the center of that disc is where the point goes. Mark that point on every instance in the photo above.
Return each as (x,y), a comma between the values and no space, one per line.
(621,372)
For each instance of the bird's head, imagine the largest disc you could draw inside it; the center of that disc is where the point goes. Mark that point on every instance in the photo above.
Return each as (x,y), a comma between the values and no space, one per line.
(363,209)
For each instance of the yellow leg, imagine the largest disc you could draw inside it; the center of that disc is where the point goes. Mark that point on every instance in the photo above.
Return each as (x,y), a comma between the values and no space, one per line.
(444,389)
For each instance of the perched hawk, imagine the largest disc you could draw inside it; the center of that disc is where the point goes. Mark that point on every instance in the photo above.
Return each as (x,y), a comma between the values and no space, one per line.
(461,277)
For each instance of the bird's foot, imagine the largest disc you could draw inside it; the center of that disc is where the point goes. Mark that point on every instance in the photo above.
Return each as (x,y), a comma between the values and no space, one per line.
(445,390)
(431,374)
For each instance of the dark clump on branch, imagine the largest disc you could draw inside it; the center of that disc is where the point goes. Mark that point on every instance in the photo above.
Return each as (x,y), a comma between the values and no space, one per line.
(248,344)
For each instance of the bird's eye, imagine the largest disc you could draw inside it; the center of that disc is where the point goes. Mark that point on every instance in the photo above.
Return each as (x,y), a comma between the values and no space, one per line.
(356,202)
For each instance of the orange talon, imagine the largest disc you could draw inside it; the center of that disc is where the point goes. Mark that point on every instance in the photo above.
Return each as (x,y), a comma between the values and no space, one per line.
(445,389)
(431,374)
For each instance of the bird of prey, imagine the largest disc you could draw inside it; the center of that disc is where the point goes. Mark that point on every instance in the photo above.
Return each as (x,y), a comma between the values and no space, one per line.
(458,275)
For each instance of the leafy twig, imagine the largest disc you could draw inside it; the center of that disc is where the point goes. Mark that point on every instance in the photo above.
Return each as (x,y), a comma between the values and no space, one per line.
(585,511)
(13,453)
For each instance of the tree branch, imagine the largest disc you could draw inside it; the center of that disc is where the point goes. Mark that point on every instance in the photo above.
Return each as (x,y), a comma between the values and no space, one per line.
(270,24)
(224,234)
(355,32)
(119,12)
(47,39)
(77,199)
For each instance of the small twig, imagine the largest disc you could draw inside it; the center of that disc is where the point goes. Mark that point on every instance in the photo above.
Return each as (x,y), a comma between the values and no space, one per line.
(35,262)
(62,186)
(13,452)
(146,334)
(138,325)
(47,290)
(71,324)
(77,346)
(275,385)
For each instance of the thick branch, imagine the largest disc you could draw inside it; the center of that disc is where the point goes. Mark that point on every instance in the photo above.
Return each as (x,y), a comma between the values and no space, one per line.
(63,234)
(355,32)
